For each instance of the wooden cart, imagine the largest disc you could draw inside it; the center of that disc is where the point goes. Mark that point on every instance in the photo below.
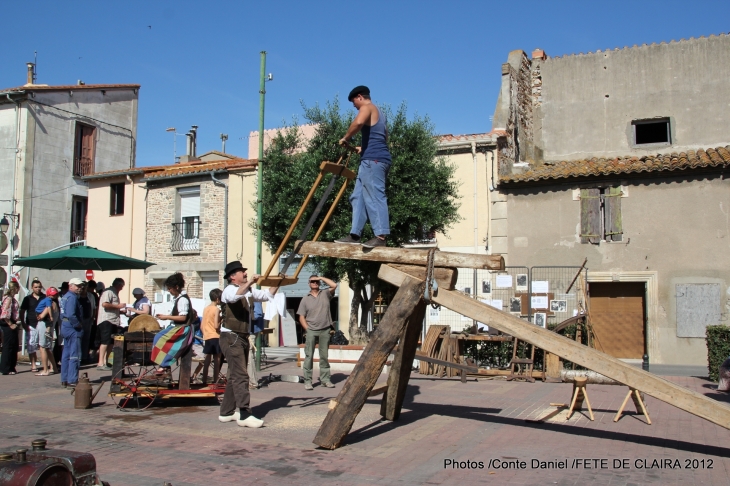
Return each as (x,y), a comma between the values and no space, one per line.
(135,385)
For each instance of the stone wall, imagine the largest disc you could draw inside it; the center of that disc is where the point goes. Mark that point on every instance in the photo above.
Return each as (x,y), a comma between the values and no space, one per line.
(162,211)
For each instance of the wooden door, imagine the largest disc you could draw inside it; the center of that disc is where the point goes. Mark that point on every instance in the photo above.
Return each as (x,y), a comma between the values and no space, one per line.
(618,314)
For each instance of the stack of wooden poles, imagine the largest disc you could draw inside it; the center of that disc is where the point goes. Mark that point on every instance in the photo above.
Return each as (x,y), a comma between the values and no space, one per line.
(440,344)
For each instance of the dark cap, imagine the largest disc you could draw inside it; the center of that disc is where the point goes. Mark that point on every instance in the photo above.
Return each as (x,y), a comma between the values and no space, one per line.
(358,90)
(233,267)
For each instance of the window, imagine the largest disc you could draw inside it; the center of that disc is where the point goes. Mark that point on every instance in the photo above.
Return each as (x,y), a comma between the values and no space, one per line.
(78,218)
(600,215)
(186,232)
(116,204)
(651,131)
(84,150)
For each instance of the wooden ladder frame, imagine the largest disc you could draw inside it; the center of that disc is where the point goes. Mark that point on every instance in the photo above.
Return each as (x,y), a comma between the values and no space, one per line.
(336,169)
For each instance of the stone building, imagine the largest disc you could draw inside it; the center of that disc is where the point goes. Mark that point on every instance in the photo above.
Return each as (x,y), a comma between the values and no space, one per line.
(50,138)
(620,157)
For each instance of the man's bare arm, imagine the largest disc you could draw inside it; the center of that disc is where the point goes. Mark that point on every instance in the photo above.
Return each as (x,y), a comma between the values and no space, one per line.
(362,118)
(330,283)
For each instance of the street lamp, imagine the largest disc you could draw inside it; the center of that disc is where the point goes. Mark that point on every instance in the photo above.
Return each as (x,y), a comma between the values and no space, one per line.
(260,192)
(4,224)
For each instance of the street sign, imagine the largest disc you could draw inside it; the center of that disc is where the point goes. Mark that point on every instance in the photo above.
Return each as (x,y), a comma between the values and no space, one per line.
(89,274)
(3,243)
(4,260)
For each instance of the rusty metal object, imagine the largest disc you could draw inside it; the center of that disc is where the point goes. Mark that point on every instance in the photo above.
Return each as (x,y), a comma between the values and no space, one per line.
(46,467)
(82,393)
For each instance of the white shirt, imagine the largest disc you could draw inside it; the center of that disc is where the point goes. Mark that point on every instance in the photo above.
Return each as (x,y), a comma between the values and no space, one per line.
(253,295)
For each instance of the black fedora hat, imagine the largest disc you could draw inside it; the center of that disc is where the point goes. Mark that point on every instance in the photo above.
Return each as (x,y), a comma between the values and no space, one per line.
(233,267)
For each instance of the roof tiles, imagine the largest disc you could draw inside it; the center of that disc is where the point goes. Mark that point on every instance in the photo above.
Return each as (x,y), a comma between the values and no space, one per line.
(43,87)
(701,159)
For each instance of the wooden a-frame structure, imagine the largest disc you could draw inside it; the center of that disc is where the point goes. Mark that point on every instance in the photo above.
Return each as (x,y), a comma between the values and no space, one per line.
(403,320)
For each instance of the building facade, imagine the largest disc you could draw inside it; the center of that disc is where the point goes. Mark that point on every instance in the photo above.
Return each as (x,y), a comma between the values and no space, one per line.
(52,137)
(619,158)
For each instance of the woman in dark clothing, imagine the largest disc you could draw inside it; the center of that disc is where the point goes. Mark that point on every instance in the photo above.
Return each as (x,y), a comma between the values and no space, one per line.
(9,324)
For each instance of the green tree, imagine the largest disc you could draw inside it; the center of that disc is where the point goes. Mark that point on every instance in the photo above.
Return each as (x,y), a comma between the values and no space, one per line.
(422,195)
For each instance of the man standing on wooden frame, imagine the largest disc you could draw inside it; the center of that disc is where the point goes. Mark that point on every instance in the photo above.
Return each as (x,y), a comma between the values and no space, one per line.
(368,199)
(316,319)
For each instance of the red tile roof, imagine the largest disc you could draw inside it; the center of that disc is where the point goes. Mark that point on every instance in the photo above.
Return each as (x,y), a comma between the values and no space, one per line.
(178,170)
(470,137)
(40,87)
(701,159)
(197,167)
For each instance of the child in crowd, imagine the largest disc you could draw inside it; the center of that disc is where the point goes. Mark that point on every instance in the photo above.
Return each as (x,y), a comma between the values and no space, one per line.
(211,327)
(48,313)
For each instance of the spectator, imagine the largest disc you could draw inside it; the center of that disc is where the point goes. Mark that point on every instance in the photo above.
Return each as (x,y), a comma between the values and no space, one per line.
(47,314)
(58,346)
(88,306)
(30,321)
(108,321)
(315,318)
(9,325)
(93,347)
(72,331)
(211,327)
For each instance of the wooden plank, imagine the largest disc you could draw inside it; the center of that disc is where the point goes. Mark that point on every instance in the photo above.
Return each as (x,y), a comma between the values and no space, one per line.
(186,362)
(337,169)
(361,381)
(447,364)
(659,388)
(445,277)
(399,255)
(117,362)
(400,370)
(276,281)
(378,390)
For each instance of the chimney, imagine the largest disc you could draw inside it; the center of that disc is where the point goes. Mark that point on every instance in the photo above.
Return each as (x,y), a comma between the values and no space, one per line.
(194,132)
(539,54)
(31,72)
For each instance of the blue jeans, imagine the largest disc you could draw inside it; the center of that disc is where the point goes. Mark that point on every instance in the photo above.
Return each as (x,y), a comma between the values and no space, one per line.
(368,198)
(71,357)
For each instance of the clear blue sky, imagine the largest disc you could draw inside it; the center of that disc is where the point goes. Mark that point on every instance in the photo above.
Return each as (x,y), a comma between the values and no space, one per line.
(198,62)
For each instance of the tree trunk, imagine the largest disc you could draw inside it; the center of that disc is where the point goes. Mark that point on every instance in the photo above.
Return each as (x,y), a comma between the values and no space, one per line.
(358,334)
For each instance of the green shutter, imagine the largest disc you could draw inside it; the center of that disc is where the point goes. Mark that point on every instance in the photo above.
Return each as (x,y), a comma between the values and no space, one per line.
(612,210)
(590,214)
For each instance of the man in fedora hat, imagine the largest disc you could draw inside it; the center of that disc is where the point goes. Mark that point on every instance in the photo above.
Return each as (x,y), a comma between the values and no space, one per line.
(238,298)
(368,198)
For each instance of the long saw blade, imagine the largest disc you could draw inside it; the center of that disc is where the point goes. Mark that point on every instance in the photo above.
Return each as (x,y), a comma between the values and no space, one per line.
(311,221)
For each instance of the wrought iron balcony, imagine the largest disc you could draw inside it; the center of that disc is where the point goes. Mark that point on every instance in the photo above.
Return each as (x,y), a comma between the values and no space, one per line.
(83,166)
(186,235)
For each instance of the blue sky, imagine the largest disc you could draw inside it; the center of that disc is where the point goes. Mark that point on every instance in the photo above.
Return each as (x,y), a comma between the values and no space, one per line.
(198,62)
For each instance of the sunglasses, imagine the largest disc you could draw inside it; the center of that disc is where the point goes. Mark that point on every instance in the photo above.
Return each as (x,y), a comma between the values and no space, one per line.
(314,281)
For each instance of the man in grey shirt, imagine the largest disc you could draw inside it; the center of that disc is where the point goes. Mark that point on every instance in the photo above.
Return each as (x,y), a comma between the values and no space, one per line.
(315,318)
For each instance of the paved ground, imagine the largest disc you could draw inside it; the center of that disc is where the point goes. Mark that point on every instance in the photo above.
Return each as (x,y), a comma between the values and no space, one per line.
(479,425)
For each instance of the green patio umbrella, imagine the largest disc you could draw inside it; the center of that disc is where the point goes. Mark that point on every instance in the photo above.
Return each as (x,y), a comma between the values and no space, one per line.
(81,258)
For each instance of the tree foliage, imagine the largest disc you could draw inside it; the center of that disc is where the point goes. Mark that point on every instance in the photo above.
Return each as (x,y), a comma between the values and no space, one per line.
(422,195)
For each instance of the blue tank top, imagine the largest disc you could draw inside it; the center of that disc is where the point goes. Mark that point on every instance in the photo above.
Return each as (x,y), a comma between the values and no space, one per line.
(374,140)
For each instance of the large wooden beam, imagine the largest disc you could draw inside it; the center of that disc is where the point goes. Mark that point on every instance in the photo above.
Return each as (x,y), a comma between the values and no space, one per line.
(399,255)
(592,359)
(400,369)
(361,381)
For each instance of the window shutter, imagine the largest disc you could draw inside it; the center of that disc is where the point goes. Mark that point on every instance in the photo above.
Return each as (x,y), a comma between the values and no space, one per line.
(590,214)
(612,210)
(189,204)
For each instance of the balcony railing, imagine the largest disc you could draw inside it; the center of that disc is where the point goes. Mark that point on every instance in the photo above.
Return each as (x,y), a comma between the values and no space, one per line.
(83,166)
(186,236)
(78,235)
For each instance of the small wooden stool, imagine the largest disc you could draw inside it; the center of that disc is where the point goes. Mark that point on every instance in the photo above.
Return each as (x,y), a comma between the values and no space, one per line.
(638,403)
(579,394)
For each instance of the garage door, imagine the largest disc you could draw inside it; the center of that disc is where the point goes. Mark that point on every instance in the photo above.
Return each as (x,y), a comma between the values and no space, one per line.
(617,315)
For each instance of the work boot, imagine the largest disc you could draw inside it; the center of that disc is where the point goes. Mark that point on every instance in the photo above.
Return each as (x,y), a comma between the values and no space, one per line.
(349,240)
(373,243)
(308,386)
(328,384)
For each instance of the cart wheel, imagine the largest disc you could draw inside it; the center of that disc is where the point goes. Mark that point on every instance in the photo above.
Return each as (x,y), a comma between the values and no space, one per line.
(137,391)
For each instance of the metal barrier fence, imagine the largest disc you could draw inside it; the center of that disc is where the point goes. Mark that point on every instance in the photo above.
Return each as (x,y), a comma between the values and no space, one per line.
(539,294)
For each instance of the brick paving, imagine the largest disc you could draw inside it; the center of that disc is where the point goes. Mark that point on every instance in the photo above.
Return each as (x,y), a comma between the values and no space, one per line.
(183,443)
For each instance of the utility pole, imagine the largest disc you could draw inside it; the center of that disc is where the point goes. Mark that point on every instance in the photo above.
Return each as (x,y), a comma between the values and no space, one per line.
(260,192)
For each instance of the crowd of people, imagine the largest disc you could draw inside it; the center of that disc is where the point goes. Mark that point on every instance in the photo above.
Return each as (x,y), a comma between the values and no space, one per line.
(65,327)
